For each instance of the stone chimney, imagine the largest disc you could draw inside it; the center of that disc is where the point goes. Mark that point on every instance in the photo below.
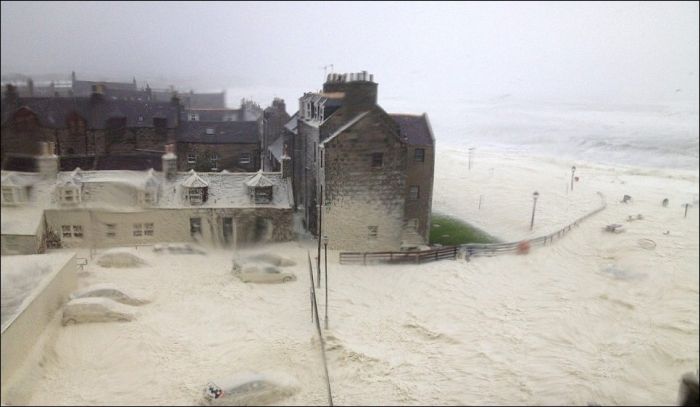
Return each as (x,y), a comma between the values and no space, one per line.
(47,161)
(286,165)
(98,93)
(11,95)
(359,88)
(169,162)
(175,102)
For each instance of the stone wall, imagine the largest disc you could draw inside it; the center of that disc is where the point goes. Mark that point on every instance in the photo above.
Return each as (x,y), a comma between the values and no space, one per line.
(21,333)
(361,196)
(308,155)
(420,174)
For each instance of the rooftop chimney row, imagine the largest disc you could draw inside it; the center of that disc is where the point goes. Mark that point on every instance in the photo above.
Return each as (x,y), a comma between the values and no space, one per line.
(350,77)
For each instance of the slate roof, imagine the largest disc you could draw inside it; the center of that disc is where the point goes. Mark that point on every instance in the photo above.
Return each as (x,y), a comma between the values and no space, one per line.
(415,128)
(53,111)
(224,132)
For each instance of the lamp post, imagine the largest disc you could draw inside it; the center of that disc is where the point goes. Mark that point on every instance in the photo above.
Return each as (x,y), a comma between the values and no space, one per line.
(535,195)
(573,170)
(325,261)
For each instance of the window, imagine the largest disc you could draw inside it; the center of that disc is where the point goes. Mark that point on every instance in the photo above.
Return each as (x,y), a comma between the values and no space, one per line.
(70,195)
(214,161)
(412,224)
(210,130)
(191,158)
(8,195)
(373,232)
(244,158)
(111,230)
(74,231)
(414,193)
(195,196)
(193,117)
(148,229)
(149,196)
(377,160)
(138,229)
(419,154)
(195,226)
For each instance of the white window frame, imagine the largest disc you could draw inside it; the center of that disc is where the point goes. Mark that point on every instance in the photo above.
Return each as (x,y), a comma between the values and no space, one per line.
(70,195)
(245,158)
(372,232)
(191,158)
(11,198)
(410,192)
(148,229)
(111,230)
(193,117)
(137,230)
(214,161)
(149,196)
(71,231)
(195,196)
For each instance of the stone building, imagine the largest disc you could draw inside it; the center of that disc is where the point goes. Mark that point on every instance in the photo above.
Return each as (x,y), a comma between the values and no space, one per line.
(117,208)
(215,146)
(375,169)
(274,118)
(91,133)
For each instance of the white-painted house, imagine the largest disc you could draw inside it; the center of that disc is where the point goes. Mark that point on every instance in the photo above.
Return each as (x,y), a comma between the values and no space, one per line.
(117,208)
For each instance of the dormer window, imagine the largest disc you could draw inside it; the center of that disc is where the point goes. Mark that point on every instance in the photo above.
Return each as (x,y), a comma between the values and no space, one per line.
(195,189)
(70,195)
(8,195)
(195,196)
(260,188)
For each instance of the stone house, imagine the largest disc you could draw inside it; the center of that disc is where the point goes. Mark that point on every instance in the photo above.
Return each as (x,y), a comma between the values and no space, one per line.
(118,208)
(215,146)
(375,169)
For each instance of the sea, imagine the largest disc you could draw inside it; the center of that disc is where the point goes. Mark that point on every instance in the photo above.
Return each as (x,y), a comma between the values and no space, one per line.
(660,135)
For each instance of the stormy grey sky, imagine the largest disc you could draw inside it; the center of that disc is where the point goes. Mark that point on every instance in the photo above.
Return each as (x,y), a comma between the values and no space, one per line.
(625,52)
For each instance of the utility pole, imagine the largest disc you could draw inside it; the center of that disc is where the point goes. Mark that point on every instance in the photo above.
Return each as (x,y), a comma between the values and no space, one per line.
(573,170)
(535,195)
(319,231)
(325,260)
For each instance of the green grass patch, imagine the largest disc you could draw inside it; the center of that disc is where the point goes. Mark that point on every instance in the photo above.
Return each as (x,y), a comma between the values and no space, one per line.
(449,231)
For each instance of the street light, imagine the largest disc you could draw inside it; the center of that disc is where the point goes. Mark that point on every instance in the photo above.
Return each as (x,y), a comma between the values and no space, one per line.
(573,170)
(325,260)
(535,195)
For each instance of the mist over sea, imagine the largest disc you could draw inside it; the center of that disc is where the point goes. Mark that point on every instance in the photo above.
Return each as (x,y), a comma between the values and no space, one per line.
(663,135)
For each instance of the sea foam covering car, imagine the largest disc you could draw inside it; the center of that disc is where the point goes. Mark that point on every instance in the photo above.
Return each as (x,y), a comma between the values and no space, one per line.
(96,310)
(261,273)
(110,291)
(249,389)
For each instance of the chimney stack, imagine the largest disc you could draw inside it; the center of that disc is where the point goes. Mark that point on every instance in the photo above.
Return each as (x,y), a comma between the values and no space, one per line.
(286,165)
(47,161)
(169,162)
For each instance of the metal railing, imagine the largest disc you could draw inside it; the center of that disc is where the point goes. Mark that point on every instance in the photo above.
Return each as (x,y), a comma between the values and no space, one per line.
(469,249)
